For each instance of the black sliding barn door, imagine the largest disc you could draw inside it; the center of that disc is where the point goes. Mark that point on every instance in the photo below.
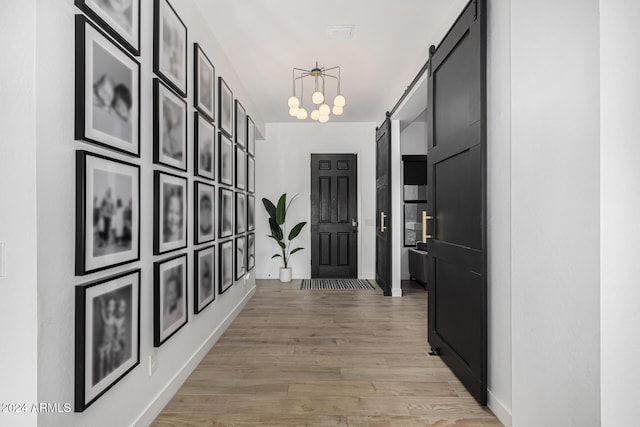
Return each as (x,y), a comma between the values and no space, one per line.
(383,206)
(456,225)
(334,216)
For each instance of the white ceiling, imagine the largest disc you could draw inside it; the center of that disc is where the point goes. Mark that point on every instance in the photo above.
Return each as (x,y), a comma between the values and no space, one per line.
(265,39)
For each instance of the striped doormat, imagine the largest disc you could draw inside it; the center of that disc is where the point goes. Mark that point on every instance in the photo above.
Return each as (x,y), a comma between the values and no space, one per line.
(346,284)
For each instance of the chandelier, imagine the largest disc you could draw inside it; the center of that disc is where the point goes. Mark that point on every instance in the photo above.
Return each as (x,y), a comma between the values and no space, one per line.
(321,109)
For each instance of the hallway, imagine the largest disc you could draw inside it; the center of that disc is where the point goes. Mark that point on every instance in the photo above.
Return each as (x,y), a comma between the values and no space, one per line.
(324,358)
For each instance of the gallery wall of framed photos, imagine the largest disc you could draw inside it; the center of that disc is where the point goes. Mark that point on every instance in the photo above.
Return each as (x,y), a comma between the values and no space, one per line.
(163,167)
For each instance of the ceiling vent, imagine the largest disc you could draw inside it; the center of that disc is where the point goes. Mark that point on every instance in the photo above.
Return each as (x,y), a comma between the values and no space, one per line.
(341,32)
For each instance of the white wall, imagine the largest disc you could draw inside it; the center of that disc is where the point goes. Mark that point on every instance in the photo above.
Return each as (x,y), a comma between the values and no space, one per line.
(284,167)
(133,398)
(499,208)
(555,212)
(18,289)
(619,212)
(413,141)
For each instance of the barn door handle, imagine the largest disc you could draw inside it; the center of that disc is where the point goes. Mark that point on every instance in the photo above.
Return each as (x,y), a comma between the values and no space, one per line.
(425,236)
(382,226)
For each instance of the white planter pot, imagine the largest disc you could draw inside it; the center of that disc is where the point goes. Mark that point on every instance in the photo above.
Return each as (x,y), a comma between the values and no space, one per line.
(285,274)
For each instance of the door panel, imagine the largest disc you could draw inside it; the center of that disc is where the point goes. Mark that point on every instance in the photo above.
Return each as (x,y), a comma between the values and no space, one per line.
(456,169)
(383,206)
(334,243)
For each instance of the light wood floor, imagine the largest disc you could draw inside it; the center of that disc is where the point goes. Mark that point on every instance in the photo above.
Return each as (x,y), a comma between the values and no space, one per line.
(324,358)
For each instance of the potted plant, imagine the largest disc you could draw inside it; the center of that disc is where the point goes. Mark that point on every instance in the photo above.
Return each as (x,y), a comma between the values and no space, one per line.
(277,219)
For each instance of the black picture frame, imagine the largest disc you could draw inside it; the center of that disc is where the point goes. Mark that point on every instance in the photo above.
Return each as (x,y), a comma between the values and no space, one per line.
(225,213)
(251,136)
(115,23)
(225,266)
(169,42)
(241,256)
(241,169)
(97,179)
(168,188)
(251,174)
(204,229)
(204,83)
(204,138)
(107,91)
(251,251)
(225,108)
(241,124)
(169,127)
(119,338)
(225,157)
(251,213)
(204,278)
(170,306)
(241,213)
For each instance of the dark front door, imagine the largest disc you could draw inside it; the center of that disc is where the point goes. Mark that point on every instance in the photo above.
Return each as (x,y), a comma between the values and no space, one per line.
(334,216)
(383,206)
(456,226)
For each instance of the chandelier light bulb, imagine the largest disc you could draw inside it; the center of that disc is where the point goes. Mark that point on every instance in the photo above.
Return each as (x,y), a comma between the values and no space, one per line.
(315,114)
(302,113)
(293,112)
(337,110)
(293,102)
(317,97)
(339,101)
(324,110)
(323,118)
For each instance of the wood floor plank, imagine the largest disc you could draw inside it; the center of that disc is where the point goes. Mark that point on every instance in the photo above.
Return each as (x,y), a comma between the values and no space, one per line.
(324,358)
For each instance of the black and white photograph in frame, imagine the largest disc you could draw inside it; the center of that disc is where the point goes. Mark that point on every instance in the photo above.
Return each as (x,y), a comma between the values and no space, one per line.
(241,256)
(107,92)
(169,127)
(204,81)
(107,335)
(119,18)
(204,230)
(204,290)
(225,108)
(251,251)
(169,46)
(225,217)
(251,213)
(251,136)
(225,154)
(107,212)
(241,125)
(169,212)
(251,174)
(169,297)
(241,169)
(225,266)
(241,212)
(204,135)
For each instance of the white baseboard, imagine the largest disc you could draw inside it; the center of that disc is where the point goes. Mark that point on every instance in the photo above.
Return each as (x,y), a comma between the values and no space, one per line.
(396,292)
(166,394)
(499,409)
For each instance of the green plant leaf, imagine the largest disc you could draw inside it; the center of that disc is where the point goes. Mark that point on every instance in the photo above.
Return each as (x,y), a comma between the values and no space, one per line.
(281,212)
(296,230)
(290,201)
(296,250)
(276,230)
(279,242)
(271,209)
(276,256)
